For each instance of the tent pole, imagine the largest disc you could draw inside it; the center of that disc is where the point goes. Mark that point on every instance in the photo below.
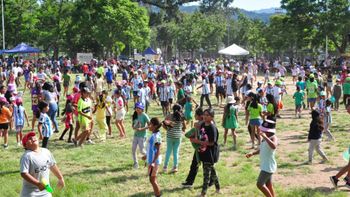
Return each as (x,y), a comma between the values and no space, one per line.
(3,24)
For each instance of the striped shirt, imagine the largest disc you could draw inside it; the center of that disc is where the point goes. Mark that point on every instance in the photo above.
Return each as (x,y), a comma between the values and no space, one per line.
(219,80)
(175,131)
(229,90)
(163,93)
(171,92)
(205,87)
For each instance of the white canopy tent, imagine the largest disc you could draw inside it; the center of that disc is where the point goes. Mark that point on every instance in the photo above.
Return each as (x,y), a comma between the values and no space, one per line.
(234,50)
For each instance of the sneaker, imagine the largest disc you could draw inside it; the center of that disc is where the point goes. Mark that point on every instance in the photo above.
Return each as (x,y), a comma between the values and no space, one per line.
(19,144)
(186,185)
(334,181)
(90,142)
(56,131)
(75,142)
(136,165)
(174,170)
(6,146)
(165,170)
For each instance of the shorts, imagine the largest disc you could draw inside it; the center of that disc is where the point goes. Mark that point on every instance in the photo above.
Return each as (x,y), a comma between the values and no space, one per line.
(298,106)
(120,115)
(263,178)
(109,82)
(171,101)
(220,90)
(154,171)
(255,122)
(135,93)
(108,120)
(4,126)
(311,100)
(164,103)
(19,128)
(66,85)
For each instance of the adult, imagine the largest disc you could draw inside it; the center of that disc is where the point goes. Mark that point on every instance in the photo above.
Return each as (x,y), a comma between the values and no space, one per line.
(175,125)
(345,169)
(50,96)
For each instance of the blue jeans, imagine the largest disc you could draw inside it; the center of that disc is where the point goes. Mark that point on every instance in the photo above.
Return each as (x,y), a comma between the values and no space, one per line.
(52,113)
(172,145)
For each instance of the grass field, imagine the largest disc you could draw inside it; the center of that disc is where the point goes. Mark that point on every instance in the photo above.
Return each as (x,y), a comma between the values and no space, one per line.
(105,169)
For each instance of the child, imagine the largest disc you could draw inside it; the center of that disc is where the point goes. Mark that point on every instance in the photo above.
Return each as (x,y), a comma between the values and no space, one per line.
(120,113)
(230,119)
(109,113)
(188,111)
(36,164)
(5,118)
(268,164)
(163,97)
(36,94)
(153,156)
(140,122)
(126,94)
(327,118)
(254,115)
(298,101)
(19,113)
(192,134)
(315,136)
(68,111)
(337,92)
(44,126)
(66,81)
(84,116)
(100,110)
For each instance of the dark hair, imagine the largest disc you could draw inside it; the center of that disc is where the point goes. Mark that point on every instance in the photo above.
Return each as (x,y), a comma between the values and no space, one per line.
(328,102)
(300,78)
(210,111)
(41,106)
(271,99)
(177,113)
(199,112)
(316,118)
(156,122)
(255,101)
(312,79)
(298,88)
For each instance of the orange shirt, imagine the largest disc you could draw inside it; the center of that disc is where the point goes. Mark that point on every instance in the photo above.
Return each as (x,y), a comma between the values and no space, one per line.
(5,115)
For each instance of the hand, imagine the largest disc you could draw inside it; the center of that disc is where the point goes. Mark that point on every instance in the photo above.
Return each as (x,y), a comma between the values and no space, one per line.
(262,134)
(60,183)
(143,157)
(249,155)
(41,186)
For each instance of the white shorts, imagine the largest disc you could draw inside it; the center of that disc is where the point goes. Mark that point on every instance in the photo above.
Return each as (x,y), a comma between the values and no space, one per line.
(120,115)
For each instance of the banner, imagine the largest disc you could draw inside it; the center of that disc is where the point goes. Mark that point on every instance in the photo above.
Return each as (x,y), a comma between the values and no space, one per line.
(84,57)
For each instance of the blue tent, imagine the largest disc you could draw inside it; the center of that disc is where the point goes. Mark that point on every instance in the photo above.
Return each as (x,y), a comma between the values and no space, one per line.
(149,51)
(23,48)
(2,51)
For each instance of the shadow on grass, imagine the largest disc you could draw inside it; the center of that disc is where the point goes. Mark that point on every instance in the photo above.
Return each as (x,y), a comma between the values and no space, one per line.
(173,190)
(101,171)
(123,178)
(4,173)
(330,169)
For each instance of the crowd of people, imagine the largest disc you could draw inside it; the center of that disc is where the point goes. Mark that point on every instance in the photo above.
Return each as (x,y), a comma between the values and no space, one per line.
(106,91)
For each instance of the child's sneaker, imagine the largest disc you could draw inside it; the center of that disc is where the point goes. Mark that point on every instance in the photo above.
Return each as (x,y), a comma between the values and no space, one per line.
(90,142)
(174,170)
(19,144)
(186,185)
(165,170)
(334,181)
(136,166)
(6,146)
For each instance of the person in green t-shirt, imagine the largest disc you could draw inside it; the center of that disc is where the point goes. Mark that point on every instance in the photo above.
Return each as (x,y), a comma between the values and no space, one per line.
(254,115)
(140,122)
(193,134)
(84,116)
(298,101)
(311,89)
(346,92)
(66,81)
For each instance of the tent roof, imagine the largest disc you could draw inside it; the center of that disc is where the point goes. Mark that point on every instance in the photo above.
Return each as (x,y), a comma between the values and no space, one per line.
(234,50)
(23,48)
(149,51)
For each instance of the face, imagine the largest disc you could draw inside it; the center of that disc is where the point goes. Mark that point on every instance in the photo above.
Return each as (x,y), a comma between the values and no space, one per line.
(46,109)
(85,94)
(32,143)
(138,110)
(207,117)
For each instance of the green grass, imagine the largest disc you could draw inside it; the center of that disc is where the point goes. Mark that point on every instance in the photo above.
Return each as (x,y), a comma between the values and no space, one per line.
(105,169)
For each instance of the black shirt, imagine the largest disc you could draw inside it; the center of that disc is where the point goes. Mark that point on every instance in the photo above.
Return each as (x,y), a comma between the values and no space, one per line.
(315,132)
(211,133)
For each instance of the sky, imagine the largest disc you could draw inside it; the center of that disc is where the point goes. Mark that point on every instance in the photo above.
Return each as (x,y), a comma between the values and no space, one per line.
(256,4)
(251,5)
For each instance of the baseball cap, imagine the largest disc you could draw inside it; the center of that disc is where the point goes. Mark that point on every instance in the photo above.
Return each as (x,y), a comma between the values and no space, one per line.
(26,138)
